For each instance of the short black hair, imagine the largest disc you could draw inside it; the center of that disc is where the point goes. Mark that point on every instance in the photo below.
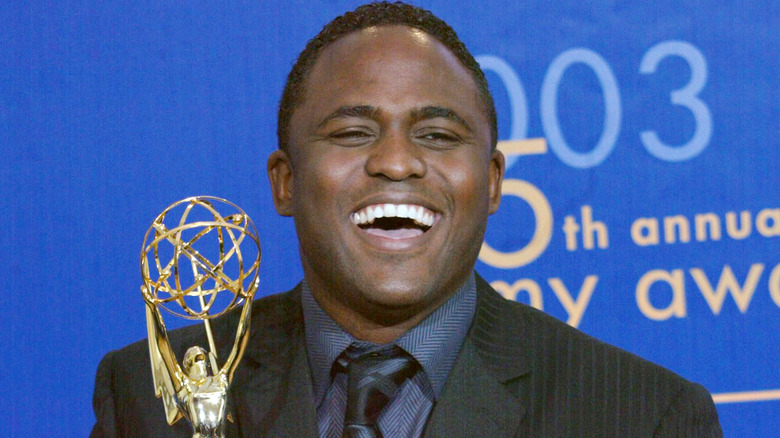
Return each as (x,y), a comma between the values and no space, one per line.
(369,15)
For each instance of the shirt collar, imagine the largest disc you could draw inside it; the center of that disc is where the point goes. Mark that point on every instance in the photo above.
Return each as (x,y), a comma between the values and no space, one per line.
(434,342)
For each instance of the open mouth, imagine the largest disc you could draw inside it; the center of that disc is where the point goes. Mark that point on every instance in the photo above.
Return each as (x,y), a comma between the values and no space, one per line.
(394,221)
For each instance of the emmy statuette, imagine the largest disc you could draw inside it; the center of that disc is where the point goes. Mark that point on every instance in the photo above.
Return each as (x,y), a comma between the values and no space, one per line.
(199,260)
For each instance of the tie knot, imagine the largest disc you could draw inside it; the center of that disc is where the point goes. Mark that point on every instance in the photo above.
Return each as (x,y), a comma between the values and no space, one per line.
(373,378)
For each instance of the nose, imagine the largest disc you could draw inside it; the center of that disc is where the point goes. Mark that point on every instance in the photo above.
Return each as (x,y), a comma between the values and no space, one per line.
(396,158)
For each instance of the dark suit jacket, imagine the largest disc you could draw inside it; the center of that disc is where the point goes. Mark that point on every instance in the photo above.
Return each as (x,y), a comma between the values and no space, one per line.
(520,373)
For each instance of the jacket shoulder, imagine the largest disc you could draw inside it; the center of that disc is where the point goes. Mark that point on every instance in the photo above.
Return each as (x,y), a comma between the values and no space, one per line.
(593,385)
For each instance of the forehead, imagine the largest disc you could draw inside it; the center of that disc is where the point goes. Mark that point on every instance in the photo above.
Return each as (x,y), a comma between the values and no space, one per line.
(386,61)
(387,42)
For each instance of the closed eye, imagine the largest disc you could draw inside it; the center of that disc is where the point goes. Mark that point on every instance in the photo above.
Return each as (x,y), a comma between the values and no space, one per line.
(351,137)
(439,139)
(440,136)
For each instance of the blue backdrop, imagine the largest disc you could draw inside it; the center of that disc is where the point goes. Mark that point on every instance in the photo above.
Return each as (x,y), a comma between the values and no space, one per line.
(646,211)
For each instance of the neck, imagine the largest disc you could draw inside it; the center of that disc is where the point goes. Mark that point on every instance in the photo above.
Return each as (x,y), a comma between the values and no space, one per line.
(374,324)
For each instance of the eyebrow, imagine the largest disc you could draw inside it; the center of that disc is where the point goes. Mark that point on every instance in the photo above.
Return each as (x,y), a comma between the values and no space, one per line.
(371,112)
(364,111)
(432,112)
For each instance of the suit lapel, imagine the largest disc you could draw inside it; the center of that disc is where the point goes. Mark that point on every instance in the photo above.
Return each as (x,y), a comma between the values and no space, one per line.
(483,395)
(298,417)
(272,389)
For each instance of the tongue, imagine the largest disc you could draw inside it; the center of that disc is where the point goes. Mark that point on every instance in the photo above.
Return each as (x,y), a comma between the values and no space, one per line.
(399,233)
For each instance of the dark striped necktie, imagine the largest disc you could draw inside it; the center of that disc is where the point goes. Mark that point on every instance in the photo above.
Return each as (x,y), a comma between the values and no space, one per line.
(372,380)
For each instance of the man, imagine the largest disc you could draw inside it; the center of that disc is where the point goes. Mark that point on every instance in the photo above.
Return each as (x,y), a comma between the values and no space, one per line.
(387,163)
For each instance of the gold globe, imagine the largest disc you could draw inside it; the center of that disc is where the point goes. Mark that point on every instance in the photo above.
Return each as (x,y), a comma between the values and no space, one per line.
(200,258)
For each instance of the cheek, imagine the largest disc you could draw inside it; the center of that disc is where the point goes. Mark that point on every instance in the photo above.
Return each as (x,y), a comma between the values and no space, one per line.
(469,185)
(323,184)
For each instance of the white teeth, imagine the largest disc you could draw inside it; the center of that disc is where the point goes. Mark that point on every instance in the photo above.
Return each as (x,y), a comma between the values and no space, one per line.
(418,213)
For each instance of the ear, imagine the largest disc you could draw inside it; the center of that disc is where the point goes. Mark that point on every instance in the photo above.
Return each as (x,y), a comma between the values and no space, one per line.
(495,178)
(280,174)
